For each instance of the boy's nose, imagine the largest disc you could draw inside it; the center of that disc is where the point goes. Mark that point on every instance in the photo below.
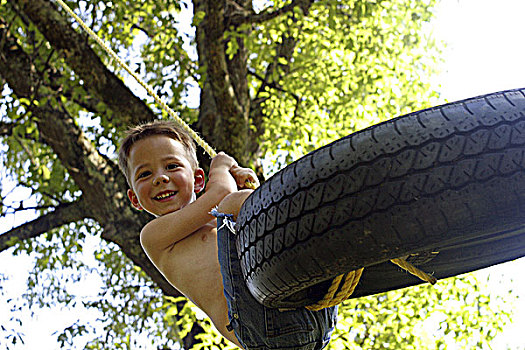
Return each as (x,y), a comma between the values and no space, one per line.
(161,178)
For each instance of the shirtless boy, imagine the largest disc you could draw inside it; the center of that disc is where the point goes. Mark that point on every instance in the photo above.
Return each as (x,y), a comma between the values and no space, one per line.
(160,164)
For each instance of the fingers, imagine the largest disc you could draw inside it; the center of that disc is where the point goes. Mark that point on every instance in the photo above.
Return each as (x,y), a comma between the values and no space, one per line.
(244,177)
(251,181)
(250,185)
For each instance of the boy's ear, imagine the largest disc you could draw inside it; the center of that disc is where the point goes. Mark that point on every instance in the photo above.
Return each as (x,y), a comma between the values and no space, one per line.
(200,182)
(134,200)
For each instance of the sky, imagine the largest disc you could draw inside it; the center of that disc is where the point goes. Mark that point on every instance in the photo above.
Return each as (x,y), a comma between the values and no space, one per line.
(485,53)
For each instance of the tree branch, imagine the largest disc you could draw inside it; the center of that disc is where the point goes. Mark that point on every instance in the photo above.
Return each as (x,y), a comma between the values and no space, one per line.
(20,207)
(88,168)
(63,214)
(230,113)
(105,85)
(272,85)
(216,56)
(85,164)
(55,83)
(13,61)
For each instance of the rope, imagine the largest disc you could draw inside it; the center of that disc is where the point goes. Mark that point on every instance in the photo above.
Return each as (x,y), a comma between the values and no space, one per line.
(211,152)
(347,286)
(150,91)
(331,298)
(405,265)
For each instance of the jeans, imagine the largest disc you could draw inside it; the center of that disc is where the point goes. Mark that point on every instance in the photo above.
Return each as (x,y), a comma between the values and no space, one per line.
(257,326)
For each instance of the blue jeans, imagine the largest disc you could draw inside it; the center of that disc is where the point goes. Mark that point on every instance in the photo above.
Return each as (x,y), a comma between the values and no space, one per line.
(260,327)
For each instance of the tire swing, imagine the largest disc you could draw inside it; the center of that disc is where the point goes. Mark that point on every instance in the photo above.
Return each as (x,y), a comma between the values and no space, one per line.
(442,189)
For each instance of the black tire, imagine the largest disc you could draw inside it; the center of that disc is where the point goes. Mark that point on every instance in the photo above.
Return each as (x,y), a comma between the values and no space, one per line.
(448,179)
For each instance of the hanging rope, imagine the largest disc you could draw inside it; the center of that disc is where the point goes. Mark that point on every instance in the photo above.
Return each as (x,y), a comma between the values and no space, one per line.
(405,265)
(344,285)
(150,91)
(207,148)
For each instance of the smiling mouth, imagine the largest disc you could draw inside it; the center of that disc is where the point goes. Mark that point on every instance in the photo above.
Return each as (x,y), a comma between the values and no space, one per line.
(165,195)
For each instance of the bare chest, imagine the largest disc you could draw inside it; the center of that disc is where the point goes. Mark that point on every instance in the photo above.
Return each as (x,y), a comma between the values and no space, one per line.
(192,264)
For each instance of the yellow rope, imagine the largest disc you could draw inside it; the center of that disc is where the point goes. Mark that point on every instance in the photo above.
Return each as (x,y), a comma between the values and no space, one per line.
(150,91)
(414,270)
(331,298)
(347,286)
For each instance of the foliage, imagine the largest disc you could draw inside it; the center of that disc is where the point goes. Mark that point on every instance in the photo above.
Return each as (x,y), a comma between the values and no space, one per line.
(357,63)
(313,74)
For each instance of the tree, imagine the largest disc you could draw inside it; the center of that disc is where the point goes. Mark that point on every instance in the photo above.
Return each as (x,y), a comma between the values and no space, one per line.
(275,80)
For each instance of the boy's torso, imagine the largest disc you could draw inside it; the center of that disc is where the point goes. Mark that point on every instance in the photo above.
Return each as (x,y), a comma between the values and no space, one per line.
(193,268)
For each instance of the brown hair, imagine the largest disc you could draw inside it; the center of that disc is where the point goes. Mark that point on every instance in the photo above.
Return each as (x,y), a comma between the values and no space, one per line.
(157,127)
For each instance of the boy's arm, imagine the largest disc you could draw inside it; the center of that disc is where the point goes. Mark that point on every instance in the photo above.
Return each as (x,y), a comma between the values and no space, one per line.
(232,203)
(163,232)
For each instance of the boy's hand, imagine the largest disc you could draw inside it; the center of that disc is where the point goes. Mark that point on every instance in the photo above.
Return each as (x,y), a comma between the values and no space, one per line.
(222,160)
(225,169)
(243,176)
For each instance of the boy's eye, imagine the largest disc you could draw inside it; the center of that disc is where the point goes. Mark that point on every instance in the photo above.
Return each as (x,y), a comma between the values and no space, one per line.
(143,174)
(172,166)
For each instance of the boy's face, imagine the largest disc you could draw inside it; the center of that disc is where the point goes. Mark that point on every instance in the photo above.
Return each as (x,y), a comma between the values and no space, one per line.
(162,179)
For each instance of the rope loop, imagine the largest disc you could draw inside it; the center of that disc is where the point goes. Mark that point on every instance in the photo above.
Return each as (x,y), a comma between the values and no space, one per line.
(344,285)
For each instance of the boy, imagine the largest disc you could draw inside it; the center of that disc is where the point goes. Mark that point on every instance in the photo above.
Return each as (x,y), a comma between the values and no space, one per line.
(160,164)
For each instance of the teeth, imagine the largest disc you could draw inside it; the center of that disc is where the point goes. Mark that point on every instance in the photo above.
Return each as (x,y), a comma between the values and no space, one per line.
(165,195)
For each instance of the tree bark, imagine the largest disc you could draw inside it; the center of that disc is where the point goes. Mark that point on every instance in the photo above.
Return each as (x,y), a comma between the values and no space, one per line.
(230,120)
